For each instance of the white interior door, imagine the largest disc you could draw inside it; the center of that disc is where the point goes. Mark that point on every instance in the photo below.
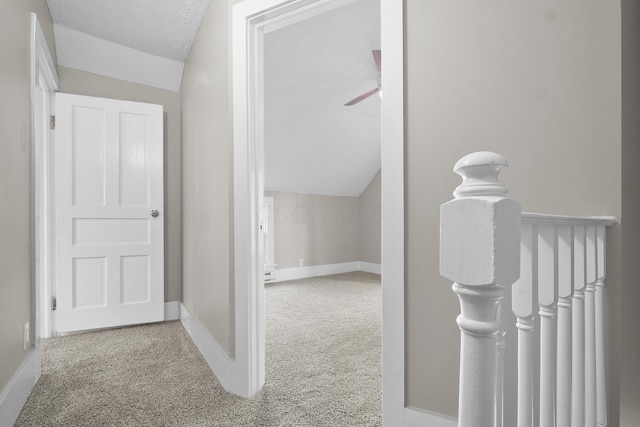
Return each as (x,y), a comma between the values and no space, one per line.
(109,236)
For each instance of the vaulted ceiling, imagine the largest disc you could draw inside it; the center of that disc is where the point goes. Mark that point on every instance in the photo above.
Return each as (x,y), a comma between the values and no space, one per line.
(143,41)
(314,144)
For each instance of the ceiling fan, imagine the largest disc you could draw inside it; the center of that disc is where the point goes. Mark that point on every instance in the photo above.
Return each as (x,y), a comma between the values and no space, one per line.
(377,57)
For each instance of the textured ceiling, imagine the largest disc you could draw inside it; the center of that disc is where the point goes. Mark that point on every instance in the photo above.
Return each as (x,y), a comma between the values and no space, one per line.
(313,143)
(142,41)
(160,27)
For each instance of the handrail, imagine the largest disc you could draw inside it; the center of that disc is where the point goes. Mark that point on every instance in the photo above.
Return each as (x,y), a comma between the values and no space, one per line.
(540,218)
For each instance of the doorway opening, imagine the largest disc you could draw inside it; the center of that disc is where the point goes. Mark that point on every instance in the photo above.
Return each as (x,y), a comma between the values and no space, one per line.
(320,155)
(252,19)
(322,169)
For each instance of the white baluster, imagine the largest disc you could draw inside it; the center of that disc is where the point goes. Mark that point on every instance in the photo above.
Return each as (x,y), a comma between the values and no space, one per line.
(565,294)
(480,252)
(578,365)
(500,345)
(524,298)
(601,381)
(590,330)
(547,299)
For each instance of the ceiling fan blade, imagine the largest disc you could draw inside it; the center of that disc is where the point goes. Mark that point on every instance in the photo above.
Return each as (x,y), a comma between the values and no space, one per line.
(377,56)
(362,97)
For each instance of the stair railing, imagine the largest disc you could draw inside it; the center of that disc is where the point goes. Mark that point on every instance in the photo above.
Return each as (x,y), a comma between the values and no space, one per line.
(553,269)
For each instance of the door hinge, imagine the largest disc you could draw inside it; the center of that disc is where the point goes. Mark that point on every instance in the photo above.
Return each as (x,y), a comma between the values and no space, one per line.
(53,122)
(54,303)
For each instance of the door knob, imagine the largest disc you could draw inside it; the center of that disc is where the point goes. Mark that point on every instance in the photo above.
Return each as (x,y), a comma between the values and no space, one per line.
(155,213)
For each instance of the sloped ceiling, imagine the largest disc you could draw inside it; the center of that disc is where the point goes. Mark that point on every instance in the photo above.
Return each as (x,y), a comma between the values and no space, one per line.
(314,145)
(144,41)
(159,27)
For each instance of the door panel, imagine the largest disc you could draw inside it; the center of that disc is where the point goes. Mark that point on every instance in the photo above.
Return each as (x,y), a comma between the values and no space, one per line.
(88,147)
(134,174)
(108,180)
(134,270)
(95,231)
(89,282)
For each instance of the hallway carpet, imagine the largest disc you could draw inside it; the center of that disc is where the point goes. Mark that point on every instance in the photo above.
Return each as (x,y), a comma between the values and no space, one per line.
(323,340)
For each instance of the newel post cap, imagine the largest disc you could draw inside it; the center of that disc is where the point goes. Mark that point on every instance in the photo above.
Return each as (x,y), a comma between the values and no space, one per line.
(479,172)
(480,228)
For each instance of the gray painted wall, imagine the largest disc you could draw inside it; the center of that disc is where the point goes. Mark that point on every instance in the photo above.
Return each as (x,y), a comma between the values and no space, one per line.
(83,83)
(207,179)
(15,176)
(318,229)
(327,229)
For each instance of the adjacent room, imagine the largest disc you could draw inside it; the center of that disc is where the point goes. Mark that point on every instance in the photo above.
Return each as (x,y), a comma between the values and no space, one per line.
(322,214)
(322,157)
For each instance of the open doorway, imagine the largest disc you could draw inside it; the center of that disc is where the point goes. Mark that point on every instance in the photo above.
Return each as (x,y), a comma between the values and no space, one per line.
(321,156)
(251,21)
(322,168)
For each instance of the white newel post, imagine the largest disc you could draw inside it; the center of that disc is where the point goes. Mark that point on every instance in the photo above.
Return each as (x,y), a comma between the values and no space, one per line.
(480,252)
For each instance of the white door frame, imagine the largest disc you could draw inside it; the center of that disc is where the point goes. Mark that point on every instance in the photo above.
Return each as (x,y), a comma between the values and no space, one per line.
(251,20)
(44,83)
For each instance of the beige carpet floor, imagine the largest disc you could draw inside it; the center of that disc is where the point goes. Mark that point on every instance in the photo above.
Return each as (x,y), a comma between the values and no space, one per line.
(323,338)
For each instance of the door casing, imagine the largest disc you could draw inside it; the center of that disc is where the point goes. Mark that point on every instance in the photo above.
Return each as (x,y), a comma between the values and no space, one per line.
(44,83)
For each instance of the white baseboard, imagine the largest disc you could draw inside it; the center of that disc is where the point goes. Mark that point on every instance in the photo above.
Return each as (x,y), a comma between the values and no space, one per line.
(419,418)
(15,394)
(171,310)
(297,273)
(215,357)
